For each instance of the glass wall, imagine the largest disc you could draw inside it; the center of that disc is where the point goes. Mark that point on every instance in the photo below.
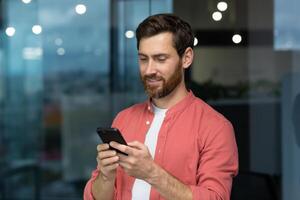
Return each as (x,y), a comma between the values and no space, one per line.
(287,39)
(246,66)
(67,67)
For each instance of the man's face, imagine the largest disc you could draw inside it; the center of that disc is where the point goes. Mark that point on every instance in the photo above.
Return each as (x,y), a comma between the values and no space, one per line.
(160,66)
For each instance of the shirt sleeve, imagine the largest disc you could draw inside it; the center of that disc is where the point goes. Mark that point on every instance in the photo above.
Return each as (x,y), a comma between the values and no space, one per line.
(217,166)
(88,194)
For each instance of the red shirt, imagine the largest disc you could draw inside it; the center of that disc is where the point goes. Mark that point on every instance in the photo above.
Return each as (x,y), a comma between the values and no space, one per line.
(195,144)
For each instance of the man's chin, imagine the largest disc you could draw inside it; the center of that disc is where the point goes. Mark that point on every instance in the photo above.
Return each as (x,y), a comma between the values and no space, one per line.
(153,94)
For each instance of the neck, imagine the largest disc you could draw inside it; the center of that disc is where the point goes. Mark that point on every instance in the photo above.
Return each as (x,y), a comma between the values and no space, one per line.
(173,98)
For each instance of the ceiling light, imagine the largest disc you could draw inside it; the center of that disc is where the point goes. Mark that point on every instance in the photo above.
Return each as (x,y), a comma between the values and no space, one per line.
(26,1)
(129,34)
(217,16)
(222,6)
(10,31)
(80,9)
(32,53)
(61,51)
(236,38)
(37,29)
(195,41)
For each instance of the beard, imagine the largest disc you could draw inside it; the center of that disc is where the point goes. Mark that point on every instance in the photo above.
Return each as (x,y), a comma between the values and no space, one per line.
(166,87)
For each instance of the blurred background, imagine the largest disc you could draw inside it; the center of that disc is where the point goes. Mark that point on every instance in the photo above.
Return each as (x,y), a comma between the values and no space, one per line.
(68,66)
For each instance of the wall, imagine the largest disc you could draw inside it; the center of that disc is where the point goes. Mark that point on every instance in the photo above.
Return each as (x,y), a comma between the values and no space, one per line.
(257,63)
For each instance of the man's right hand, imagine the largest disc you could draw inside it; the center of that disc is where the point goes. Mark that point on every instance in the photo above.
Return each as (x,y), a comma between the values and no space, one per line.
(107,162)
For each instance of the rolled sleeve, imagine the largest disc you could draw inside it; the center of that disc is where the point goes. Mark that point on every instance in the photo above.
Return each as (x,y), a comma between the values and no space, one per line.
(88,194)
(218,165)
(204,193)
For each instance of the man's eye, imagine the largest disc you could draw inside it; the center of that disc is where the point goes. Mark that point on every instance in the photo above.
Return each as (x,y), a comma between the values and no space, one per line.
(143,59)
(161,59)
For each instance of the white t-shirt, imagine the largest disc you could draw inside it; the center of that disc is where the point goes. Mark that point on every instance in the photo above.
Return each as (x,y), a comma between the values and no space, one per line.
(141,189)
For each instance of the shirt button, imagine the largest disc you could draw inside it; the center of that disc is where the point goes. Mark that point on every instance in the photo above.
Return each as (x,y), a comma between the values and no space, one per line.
(147,122)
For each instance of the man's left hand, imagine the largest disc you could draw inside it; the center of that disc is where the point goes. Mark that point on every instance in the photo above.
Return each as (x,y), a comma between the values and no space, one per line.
(139,162)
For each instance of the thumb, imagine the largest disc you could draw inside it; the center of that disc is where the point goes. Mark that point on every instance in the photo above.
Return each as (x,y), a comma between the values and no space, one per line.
(137,145)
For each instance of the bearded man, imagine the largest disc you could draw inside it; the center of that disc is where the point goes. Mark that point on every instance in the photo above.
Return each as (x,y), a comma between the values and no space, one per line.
(178,146)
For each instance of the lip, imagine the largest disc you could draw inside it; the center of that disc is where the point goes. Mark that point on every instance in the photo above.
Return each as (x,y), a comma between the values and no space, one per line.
(153,82)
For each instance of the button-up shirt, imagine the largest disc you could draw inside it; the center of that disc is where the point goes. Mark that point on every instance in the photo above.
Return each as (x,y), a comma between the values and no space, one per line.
(195,144)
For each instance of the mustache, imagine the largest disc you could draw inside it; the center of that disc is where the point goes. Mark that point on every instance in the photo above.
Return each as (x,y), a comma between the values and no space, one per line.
(152,77)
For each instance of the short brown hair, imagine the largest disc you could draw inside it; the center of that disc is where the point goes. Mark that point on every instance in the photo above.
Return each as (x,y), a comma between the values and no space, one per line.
(155,24)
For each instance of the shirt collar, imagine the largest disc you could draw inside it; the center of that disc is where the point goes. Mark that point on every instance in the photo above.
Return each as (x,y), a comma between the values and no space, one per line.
(158,110)
(177,107)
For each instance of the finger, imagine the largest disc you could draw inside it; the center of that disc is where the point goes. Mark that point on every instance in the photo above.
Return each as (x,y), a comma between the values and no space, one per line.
(107,154)
(110,168)
(102,147)
(124,158)
(109,161)
(131,160)
(123,148)
(125,165)
(137,144)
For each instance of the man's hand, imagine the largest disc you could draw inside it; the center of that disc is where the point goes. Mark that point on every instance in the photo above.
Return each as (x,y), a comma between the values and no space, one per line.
(139,162)
(107,162)
(103,186)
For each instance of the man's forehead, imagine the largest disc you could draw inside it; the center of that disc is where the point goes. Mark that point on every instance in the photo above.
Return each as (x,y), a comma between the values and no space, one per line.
(158,44)
(165,36)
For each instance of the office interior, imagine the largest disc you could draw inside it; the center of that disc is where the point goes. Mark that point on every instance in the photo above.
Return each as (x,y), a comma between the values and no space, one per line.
(69,66)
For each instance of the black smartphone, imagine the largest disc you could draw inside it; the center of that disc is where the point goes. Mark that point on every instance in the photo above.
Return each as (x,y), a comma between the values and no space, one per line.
(111,134)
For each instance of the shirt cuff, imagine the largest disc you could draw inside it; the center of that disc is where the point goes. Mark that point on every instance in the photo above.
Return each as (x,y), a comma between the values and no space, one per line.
(88,194)
(203,193)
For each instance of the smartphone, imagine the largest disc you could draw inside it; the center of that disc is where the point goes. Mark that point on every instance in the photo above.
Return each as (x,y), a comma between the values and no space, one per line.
(111,134)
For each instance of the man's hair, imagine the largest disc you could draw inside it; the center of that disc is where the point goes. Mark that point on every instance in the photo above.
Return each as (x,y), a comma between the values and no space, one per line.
(161,23)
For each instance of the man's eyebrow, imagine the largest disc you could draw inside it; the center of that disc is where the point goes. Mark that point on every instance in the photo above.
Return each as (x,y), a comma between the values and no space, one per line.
(161,54)
(154,55)
(141,54)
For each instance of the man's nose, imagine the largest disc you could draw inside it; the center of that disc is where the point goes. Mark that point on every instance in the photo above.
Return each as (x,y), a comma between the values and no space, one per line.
(151,67)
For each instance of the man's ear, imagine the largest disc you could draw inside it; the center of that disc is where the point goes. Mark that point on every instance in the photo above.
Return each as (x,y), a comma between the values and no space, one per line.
(187,57)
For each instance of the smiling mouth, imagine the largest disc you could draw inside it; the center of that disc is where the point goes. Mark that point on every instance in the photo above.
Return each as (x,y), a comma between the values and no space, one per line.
(153,81)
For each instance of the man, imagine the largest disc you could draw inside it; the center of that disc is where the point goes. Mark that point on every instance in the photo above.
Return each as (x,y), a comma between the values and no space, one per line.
(178,146)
